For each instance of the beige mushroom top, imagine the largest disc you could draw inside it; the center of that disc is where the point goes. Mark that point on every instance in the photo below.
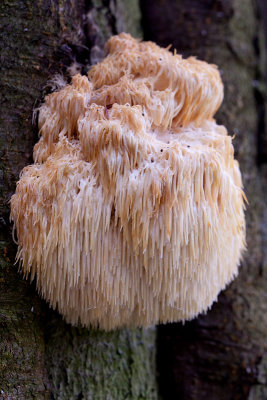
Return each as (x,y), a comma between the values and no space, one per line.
(132,213)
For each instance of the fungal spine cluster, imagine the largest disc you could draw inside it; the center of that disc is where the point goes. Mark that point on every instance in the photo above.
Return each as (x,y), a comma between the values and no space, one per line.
(132,213)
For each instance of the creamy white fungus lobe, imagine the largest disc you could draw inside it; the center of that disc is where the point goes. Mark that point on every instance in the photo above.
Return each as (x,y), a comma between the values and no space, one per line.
(132,213)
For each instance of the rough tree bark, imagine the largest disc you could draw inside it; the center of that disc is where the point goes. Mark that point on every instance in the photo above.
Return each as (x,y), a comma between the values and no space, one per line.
(222,355)
(41,357)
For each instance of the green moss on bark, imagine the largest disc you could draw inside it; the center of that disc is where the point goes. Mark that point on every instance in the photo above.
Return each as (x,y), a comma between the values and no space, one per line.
(99,365)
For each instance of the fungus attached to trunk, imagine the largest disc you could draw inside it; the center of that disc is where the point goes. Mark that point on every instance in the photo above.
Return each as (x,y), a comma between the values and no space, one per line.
(132,213)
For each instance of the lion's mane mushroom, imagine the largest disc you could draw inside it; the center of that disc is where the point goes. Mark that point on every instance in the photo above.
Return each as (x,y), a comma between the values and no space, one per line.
(132,212)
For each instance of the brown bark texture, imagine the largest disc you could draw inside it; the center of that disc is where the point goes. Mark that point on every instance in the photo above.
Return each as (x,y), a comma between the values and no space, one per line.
(41,357)
(222,355)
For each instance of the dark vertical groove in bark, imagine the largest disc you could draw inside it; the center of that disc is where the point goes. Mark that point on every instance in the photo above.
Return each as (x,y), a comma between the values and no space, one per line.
(222,355)
(261,79)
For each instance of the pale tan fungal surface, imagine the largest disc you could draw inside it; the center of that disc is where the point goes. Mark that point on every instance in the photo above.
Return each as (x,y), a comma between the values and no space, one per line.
(132,213)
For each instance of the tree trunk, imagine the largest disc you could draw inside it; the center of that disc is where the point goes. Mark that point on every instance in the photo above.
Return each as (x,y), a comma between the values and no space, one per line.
(218,356)
(41,357)
(222,355)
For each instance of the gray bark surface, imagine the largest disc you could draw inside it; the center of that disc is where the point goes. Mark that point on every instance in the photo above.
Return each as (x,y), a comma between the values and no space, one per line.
(222,355)
(41,357)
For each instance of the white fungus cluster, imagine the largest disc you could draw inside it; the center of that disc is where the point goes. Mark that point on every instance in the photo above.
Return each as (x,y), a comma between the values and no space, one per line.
(132,213)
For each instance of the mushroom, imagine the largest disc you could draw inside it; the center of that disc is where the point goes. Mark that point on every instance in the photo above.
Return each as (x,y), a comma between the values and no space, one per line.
(133,211)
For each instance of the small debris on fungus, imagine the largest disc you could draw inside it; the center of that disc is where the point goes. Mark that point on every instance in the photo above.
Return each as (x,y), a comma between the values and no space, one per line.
(117,231)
